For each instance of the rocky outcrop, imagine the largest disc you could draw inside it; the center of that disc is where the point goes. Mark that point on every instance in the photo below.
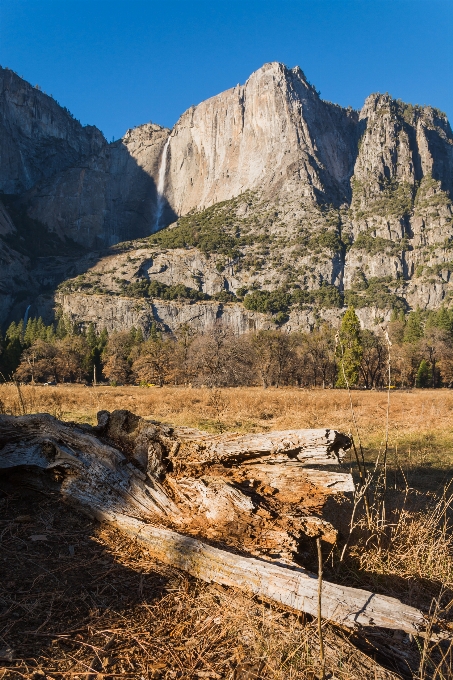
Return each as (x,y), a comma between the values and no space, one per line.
(121,313)
(38,138)
(400,223)
(273,133)
(116,313)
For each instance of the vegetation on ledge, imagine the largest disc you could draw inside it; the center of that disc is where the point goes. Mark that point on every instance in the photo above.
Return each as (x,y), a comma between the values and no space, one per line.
(374,292)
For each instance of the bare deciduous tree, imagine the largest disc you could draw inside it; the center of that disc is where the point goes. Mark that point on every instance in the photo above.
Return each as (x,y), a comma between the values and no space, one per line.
(154,361)
(117,363)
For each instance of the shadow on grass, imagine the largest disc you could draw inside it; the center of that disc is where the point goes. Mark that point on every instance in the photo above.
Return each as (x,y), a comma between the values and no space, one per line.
(62,593)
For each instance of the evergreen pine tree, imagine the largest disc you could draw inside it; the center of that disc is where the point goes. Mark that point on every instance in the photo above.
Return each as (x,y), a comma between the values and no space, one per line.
(414,327)
(154,333)
(139,339)
(30,332)
(41,330)
(103,339)
(443,320)
(11,331)
(10,358)
(350,351)
(91,337)
(61,331)
(424,375)
(50,334)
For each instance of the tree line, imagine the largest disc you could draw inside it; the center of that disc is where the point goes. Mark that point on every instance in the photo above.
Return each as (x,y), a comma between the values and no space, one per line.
(418,347)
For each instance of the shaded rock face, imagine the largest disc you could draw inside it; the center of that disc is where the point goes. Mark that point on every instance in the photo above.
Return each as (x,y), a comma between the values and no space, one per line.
(38,138)
(107,198)
(274,134)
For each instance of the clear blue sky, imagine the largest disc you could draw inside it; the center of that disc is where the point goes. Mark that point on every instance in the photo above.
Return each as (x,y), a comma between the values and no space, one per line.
(120,63)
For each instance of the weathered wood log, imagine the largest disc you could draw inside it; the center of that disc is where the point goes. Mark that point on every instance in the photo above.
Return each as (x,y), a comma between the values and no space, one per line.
(311,447)
(247,506)
(294,588)
(270,525)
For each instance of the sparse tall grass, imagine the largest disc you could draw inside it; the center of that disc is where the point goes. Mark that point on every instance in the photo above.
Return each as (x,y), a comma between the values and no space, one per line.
(419,545)
(411,555)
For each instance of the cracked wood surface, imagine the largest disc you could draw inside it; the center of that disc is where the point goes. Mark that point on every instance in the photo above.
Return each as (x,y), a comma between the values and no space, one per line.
(294,588)
(131,472)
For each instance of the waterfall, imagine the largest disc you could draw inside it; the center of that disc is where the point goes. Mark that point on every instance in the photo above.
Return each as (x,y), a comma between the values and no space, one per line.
(26,316)
(161,185)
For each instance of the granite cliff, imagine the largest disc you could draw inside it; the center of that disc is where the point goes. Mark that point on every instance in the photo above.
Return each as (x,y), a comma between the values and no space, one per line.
(38,137)
(281,206)
(274,134)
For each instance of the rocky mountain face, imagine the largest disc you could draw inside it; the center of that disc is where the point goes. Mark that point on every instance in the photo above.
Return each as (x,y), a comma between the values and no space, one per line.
(274,134)
(106,198)
(287,207)
(38,138)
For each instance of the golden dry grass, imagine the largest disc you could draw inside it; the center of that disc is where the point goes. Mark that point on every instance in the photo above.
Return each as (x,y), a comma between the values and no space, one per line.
(249,408)
(421,421)
(88,603)
(410,558)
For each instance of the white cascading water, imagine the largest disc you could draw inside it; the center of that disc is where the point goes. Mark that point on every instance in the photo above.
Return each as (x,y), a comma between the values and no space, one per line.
(161,185)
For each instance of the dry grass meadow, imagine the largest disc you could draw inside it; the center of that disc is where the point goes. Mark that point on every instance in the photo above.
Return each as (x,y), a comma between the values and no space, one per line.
(425,413)
(420,422)
(93,605)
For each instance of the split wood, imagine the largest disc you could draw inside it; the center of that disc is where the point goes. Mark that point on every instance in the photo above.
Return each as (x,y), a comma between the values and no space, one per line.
(253,498)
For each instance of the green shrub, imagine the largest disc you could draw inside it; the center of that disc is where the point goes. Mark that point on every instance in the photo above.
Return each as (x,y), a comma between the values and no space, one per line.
(224,296)
(175,292)
(214,230)
(325,240)
(280,318)
(324,297)
(373,245)
(156,289)
(437,197)
(373,292)
(328,297)
(395,199)
(242,292)
(268,302)
(138,289)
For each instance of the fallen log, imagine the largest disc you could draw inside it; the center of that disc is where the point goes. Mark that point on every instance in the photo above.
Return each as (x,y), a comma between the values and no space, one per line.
(295,588)
(311,447)
(150,479)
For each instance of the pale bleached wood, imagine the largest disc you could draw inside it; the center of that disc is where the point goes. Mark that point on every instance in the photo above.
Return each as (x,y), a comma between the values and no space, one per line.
(311,447)
(292,479)
(295,588)
(93,473)
(107,484)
